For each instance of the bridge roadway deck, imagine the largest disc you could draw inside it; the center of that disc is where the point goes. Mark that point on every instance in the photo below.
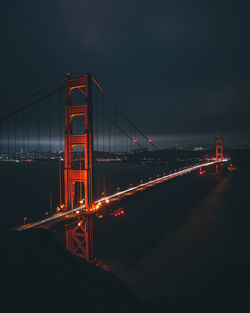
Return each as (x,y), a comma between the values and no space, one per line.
(58,217)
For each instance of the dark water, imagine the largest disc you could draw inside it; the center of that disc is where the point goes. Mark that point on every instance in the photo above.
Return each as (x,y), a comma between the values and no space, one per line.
(185,238)
(150,216)
(32,189)
(27,190)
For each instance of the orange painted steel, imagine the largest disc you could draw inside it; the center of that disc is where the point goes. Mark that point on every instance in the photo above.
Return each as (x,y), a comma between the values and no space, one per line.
(219,147)
(79,239)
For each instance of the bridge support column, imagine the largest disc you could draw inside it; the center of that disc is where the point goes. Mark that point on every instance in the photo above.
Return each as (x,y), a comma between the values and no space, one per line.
(80,238)
(219,147)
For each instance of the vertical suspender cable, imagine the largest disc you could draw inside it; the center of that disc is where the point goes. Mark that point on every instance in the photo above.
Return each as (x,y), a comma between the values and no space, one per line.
(50,192)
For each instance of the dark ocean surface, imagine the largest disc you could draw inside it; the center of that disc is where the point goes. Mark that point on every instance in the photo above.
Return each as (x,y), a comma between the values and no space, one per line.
(182,246)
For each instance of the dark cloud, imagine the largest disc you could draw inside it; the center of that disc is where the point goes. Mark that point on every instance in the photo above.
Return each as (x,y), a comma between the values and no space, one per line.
(183,64)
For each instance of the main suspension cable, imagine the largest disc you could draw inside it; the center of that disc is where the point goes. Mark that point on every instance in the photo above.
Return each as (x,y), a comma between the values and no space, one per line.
(30,104)
(32,95)
(125,115)
(114,123)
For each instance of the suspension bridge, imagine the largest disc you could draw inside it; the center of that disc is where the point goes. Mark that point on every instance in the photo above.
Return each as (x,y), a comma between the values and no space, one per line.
(75,126)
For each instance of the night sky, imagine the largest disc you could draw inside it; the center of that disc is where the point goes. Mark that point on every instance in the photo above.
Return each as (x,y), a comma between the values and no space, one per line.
(180,69)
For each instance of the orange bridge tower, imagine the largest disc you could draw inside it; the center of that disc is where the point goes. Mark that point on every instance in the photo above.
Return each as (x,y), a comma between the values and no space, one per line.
(79,237)
(219,147)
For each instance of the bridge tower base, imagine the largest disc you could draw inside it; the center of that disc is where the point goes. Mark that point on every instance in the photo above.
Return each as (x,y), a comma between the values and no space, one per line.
(80,238)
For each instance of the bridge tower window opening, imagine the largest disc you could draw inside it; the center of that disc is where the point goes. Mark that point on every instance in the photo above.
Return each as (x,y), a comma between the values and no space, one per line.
(78,125)
(78,162)
(78,193)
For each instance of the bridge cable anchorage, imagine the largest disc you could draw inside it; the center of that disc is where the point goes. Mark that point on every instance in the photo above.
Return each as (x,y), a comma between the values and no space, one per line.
(32,95)
(121,112)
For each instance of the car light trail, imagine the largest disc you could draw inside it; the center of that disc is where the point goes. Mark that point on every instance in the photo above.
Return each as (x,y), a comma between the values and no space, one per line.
(116,195)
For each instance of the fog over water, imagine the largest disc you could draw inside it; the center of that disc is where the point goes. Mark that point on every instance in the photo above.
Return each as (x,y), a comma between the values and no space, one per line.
(163,141)
(231,139)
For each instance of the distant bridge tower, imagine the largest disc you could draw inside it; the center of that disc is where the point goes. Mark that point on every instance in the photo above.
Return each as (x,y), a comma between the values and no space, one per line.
(219,147)
(79,238)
